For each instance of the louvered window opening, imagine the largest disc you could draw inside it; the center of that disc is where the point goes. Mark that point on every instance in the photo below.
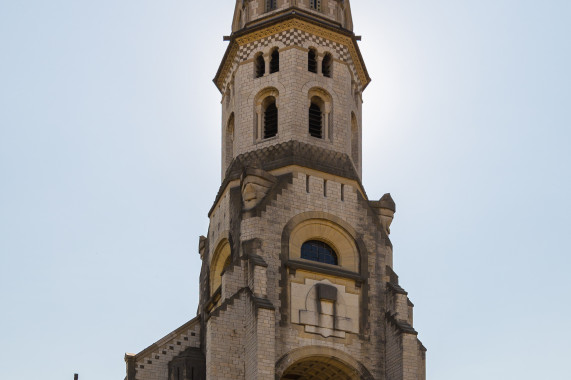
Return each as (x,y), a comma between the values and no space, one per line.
(312,61)
(315,4)
(275,62)
(271,121)
(318,251)
(271,5)
(326,68)
(315,121)
(260,66)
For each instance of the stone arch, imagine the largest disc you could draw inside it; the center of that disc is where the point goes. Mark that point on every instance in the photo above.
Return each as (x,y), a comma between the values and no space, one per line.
(274,60)
(219,262)
(324,87)
(259,65)
(260,92)
(330,233)
(312,60)
(284,258)
(318,97)
(320,215)
(327,65)
(346,366)
(262,100)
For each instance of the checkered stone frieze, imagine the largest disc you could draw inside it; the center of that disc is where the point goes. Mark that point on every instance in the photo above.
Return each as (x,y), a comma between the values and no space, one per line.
(287,38)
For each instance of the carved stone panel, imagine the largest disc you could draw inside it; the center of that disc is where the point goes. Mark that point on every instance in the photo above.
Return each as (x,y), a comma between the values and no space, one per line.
(324,308)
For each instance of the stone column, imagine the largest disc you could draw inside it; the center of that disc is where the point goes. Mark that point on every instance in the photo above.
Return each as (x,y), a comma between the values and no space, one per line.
(260,122)
(267,59)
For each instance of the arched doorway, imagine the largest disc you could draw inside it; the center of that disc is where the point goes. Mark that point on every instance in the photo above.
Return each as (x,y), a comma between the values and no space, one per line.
(320,368)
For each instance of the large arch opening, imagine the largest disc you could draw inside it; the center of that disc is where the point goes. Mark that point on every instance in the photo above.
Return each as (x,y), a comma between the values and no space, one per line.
(320,363)
(320,368)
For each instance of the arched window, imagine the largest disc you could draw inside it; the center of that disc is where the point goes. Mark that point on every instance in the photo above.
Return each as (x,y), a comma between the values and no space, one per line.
(315,4)
(312,61)
(259,66)
(355,141)
(220,262)
(275,61)
(318,251)
(320,108)
(315,120)
(271,5)
(266,110)
(270,117)
(327,65)
(229,140)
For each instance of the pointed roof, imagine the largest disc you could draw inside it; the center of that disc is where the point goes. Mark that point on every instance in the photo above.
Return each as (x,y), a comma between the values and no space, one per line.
(242,19)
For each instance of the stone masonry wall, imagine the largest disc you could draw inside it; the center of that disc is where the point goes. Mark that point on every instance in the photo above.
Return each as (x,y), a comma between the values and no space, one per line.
(293,83)
(152,363)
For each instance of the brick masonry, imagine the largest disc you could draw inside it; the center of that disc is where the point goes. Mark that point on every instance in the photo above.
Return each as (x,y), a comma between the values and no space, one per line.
(274,314)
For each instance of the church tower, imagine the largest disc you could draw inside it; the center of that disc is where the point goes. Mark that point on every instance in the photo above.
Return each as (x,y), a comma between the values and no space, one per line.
(297,279)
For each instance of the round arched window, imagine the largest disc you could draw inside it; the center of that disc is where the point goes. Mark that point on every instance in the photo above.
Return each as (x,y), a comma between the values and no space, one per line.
(318,251)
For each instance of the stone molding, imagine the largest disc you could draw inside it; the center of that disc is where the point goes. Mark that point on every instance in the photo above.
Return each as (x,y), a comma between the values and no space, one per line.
(289,21)
(290,153)
(316,351)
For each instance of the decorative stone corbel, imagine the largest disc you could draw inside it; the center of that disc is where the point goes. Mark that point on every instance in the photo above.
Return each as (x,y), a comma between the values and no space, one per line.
(385,209)
(255,185)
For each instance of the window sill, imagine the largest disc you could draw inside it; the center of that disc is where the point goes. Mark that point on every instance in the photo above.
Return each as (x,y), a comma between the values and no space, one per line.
(268,139)
(332,270)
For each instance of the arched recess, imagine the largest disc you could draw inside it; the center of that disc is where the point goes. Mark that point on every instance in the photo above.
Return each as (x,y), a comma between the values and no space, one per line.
(304,217)
(229,140)
(320,363)
(355,146)
(327,65)
(320,104)
(268,97)
(286,240)
(274,60)
(312,60)
(219,263)
(259,65)
(332,234)
(319,86)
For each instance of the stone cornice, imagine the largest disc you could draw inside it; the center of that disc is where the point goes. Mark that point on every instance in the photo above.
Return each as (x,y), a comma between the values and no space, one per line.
(325,269)
(292,20)
(291,153)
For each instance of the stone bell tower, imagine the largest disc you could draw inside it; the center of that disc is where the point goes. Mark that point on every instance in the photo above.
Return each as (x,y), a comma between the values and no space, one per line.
(297,277)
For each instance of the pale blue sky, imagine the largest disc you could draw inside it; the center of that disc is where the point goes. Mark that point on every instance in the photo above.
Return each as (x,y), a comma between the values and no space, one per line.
(108,115)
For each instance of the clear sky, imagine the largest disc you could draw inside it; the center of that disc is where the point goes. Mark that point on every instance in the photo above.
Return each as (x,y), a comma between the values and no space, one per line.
(110,160)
